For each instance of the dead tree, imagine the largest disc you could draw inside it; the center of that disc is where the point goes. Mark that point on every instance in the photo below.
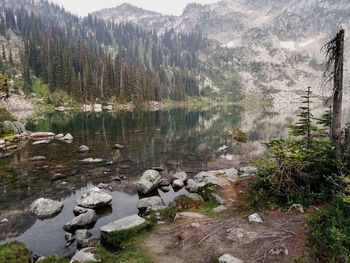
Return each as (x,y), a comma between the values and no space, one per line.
(334,70)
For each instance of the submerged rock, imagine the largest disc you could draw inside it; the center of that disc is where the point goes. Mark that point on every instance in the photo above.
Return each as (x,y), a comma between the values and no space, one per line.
(84,255)
(82,221)
(45,208)
(85,239)
(38,158)
(149,181)
(118,147)
(78,210)
(154,201)
(42,142)
(92,160)
(94,198)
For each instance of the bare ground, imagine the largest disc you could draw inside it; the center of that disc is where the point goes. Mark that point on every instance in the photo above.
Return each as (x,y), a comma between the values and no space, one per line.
(281,238)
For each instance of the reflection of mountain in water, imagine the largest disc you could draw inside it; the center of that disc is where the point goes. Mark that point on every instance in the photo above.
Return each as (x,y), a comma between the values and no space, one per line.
(179,140)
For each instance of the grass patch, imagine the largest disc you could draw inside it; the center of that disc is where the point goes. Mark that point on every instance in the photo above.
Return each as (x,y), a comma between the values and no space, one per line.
(207,209)
(54,259)
(185,202)
(14,252)
(129,255)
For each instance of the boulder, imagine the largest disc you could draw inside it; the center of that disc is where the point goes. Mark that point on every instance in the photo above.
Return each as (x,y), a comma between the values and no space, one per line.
(78,210)
(181,176)
(122,224)
(94,198)
(249,170)
(192,186)
(42,142)
(59,136)
(81,221)
(255,218)
(223,148)
(220,178)
(154,201)
(164,182)
(83,149)
(85,255)
(45,208)
(92,160)
(58,176)
(297,207)
(3,221)
(38,158)
(118,147)
(227,258)
(178,184)
(104,186)
(184,215)
(165,189)
(148,181)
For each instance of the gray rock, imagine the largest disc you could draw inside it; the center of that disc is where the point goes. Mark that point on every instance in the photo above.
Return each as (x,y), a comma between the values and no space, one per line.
(188,215)
(219,209)
(149,181)
(223,148)
(78,210)
(122,224)
(155,208)
(42,135)
(38,158)
(69,237)
(216,177)
(59,136)
(298,208)
(158,169)
(94,198)
(85,238)
(67,137)
(83,149)
(192,186)
(45,208)
(150,202)
(196,197)
(81,221)
(92,160)
(195,225)
(165,189)
(178,184)
(118,147)
(3,221)
(164,182)
(255,218)
(227,258)
(249,170)
(42,142)
(85,255)
(181,176)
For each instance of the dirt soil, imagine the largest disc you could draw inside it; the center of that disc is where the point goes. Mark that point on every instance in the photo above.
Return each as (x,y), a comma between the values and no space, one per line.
(282,237)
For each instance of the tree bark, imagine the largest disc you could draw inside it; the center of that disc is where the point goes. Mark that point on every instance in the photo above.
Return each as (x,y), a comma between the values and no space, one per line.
(338,95)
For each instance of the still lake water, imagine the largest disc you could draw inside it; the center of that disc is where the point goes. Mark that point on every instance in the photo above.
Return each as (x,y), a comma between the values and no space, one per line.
(178,140)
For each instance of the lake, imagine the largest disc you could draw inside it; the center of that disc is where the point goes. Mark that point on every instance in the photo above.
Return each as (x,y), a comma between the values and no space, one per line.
(176,139)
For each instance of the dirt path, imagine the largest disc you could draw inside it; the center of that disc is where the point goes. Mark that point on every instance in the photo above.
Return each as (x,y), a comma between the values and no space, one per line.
(282,237)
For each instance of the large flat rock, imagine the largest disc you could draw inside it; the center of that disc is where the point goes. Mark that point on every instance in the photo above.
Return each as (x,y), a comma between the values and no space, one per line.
(123,224)
(45,208)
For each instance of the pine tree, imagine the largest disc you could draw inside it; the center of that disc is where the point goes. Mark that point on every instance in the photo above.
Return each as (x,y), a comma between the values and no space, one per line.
(304,126)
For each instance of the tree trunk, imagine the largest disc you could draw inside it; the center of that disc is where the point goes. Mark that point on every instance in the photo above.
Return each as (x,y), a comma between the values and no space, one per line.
(338,94)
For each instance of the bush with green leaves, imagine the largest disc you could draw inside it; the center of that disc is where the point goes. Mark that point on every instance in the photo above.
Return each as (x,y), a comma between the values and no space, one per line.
(330,233)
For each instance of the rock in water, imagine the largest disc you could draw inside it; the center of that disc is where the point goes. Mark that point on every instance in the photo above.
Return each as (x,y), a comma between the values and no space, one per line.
(149,181)
(84,255)
(42,135)
(16,127)
(83,148)
(181,176)
(154,201)
(42,142)
(122,224)
(82,221)
(94,198)
(92,161)
(45,208)
(118,147)
(78,210)
(57,177)
(227,258)
(38,158)
(67,137)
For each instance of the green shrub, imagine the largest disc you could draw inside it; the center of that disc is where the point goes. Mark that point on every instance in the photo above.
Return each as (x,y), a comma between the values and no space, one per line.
(14,252)
(5,116)
(330,233)
(59,98)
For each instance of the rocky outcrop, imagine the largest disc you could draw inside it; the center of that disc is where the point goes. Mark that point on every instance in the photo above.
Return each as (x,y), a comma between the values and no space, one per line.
(220,178)
(94,198)
(82,221)
(227,258)
(148,181)
(16,127)
(45,208)
(83,149)
(85,239)
(192,186)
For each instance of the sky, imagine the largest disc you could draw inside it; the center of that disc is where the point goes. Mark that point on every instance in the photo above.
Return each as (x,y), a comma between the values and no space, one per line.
(168,7)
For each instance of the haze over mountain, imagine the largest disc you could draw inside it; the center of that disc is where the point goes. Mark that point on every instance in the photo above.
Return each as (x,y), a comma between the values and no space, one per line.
(272,45)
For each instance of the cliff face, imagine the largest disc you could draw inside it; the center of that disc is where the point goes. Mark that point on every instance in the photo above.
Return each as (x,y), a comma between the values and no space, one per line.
(273,45)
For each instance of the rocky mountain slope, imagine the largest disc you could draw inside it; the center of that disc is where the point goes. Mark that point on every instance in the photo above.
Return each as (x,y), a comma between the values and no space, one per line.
(267,46)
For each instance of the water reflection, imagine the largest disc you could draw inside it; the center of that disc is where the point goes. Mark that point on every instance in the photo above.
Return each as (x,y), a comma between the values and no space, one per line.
(178,140)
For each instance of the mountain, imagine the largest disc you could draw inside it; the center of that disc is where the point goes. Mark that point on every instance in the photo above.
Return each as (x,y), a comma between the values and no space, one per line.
(267,46)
